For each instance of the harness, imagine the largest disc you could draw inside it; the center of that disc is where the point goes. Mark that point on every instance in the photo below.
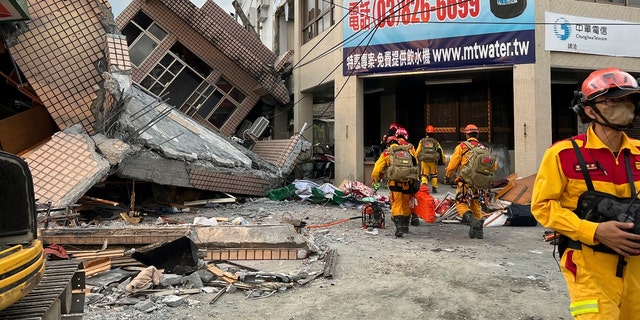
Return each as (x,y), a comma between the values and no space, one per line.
(598,206)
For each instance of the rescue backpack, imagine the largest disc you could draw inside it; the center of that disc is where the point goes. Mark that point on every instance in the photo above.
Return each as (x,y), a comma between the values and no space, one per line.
(402,167)
(478,171)
(429,150)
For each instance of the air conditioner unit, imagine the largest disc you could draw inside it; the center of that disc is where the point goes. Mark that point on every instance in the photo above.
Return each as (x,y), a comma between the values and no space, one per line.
(256,129)
(263,3)
(263,14)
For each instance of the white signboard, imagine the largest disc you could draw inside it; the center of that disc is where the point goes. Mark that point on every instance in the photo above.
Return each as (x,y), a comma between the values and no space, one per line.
(593,36)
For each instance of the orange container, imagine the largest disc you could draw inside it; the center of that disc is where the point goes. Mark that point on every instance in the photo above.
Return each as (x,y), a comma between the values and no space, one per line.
(425,207)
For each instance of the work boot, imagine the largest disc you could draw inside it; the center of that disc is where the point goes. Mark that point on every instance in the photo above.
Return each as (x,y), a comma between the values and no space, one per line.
(465,217)
(479,231)
(415,221)
(434,190)
(398,224)
(473,224)
(402,225)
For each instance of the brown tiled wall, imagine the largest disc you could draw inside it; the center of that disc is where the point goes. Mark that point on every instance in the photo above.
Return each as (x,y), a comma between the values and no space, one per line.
(57,54)
(62,163)
(248,184)
(275,151)
(117,52)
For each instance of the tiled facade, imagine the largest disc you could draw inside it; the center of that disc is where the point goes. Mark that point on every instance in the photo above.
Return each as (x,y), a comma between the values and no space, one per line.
(61,72)
(213,36)
(62,165)
(73,56)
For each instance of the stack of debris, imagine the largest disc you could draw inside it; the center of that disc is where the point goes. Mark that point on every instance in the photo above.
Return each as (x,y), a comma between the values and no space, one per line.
(508,205)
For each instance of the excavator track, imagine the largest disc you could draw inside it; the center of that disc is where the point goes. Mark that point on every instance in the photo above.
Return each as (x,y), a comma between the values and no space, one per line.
(59,295)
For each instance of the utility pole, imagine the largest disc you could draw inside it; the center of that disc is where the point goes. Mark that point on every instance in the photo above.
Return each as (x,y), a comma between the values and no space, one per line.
(243,17)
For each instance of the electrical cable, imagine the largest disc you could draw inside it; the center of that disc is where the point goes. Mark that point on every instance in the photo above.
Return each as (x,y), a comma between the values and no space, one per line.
(329,224)
(372,33)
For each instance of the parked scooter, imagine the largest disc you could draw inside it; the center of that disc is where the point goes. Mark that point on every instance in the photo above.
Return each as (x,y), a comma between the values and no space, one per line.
(323,161)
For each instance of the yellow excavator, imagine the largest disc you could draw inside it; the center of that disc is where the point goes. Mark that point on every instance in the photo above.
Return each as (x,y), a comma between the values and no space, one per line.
(30,287)
(21,253)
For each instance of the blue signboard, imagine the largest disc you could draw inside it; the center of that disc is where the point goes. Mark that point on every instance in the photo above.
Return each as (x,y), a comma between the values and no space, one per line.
(413,35)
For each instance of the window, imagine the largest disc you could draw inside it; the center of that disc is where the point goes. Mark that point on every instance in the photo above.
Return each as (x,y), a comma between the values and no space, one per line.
(319,17)
(214,103)
(143,35)
(173,78)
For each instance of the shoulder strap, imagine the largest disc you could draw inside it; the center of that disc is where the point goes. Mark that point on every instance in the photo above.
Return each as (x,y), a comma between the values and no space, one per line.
(583,165)
(469,147)
(630,173)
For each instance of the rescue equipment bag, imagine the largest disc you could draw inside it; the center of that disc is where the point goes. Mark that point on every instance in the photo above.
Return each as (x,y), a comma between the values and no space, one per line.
(429,150)
(478,171)
(372,215)
(402,165)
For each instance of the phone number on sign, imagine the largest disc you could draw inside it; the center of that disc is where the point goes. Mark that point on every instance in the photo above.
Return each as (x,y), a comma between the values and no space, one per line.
(393,13)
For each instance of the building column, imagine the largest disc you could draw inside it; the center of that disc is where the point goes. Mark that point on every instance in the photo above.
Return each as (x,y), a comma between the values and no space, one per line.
(349,132)
(532,116)
(303,108)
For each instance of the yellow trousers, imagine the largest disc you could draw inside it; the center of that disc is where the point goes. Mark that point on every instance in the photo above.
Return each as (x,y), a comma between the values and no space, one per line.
(400,204)
(429,173)
(464,204)
(595,290)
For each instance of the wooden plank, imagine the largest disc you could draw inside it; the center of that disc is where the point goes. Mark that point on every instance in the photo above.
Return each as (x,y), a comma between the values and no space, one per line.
(208,201)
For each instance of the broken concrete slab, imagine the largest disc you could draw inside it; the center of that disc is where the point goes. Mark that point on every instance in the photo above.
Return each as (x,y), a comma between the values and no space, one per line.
(252,236)
(66,167)
(112,236)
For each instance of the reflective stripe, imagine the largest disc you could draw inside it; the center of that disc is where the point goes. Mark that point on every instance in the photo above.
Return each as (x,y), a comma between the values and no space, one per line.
(585,306)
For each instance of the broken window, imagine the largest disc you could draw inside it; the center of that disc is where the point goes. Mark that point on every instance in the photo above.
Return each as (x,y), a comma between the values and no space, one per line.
(222,113)
(190,59)
(197,100)
(143,35)
(173,78)
(214,103)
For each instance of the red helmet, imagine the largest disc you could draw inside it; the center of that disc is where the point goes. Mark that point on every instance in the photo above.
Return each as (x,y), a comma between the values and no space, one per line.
(394,126)
(599,82)
(470,128)
(430,129)
(402,132)
(391,139)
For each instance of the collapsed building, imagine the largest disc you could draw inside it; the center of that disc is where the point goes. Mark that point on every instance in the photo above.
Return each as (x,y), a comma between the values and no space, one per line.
(176,99)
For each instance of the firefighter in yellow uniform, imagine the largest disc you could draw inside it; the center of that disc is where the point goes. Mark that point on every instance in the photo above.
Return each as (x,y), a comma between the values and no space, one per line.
(600,260)
(399,192)
(467,203)
(403,139)
(429,167)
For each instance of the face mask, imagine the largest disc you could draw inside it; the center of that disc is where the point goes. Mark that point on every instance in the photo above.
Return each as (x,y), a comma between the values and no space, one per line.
(622,114)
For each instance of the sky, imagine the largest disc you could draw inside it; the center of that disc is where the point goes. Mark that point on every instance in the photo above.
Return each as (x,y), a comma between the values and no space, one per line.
(119,5)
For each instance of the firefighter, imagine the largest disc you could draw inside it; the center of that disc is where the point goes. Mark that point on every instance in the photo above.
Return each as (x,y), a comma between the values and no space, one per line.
(403,139)
(467,203)
(399,192)
(393,127)
(430,154)
(603,281)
